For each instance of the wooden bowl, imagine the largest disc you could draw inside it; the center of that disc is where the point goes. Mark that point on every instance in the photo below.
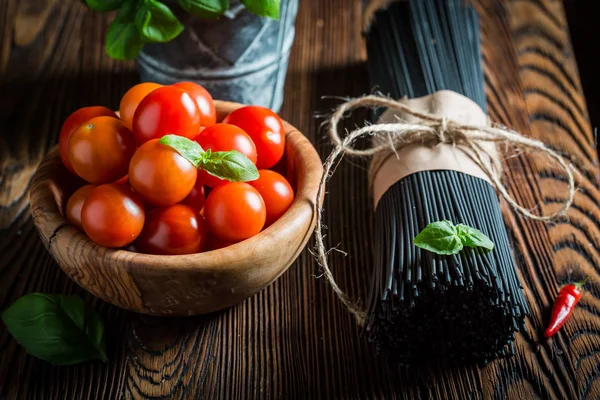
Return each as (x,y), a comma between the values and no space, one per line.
(187,284)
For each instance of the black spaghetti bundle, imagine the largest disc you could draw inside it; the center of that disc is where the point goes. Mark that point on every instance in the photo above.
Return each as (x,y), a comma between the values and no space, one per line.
(424,305)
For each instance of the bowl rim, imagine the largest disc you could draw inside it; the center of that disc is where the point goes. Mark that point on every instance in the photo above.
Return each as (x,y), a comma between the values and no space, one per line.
(305,191)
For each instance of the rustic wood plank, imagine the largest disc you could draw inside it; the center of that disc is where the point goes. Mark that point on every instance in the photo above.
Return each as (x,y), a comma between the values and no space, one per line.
(44,77)
(560,119)
(294,340)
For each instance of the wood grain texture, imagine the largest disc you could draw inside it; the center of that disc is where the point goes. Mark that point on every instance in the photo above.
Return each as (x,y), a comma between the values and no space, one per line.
(293,339)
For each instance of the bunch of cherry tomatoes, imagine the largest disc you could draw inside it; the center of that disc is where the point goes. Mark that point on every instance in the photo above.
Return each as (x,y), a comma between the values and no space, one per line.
(147,196)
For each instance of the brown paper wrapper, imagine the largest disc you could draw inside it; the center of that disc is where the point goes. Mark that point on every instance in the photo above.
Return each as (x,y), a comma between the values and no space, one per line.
(417,158)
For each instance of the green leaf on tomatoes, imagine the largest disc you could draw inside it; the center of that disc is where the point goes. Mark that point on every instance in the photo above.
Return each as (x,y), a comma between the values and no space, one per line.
(443,237)
(264,8)
(156,22)
(123,40)
(231,165)
(104,5)
(189,149)
(56,328)
(205,8)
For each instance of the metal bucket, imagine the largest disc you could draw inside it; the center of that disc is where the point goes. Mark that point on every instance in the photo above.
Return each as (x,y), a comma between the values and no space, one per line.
(240,57)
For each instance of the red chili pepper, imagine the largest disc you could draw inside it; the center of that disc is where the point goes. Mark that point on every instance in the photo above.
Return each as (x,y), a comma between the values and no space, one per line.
(565,302)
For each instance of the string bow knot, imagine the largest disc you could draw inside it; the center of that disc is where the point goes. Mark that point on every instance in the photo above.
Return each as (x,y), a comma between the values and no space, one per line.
(441,130)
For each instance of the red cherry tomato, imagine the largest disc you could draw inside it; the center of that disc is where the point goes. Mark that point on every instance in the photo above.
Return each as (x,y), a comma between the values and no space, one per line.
(160,174)
(204,100)
(197,196)
(266,130)
(234,212)
(100,150)
(224,137)
(113,215)
(132,98)
(73,122)
(176,229)
(75,203)
(276,192)
(166,110)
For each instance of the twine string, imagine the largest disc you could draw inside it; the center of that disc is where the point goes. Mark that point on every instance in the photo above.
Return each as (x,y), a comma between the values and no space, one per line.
(430,131)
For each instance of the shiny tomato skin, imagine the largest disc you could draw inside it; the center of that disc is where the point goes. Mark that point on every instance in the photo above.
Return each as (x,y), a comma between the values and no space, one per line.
(73,122)
(204,101)
(266,130)
(172,230)
(160,174)
(113,215)
(224,137)
(75,204)
(100,150)
(197,196)
(131,100)
(234,212)
(166,110)
(276,192)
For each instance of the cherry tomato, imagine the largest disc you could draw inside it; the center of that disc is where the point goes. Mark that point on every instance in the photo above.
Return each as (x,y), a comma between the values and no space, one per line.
(132,98)
(197,196)
(100,150)
(176,229)
(204,101)
(73,122)
(224,137)
(166,110)
(113,215)
(276,192)
(234,212)
(75,203)
(160,174)
(266,130)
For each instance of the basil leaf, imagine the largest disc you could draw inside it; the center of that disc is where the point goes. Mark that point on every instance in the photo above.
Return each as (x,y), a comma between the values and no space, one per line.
(471,237)
(56,328)
(156,22)
(123,41)
(264,8)
(439,237)
(205,8)
(189,149)
(104,5)
(230,165)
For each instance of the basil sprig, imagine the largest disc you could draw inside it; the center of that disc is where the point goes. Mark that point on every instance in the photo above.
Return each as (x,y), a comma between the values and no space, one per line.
(232,165)
(443,237)
(56,328)
(104,5)
(205,8)
(123,40)
(151,21)
(264,8)
(156,22)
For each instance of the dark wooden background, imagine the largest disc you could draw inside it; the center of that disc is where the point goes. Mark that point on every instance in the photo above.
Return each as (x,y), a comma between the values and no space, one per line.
(293,339)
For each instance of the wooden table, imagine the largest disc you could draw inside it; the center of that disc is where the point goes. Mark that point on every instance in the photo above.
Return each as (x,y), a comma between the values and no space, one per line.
(294,339)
